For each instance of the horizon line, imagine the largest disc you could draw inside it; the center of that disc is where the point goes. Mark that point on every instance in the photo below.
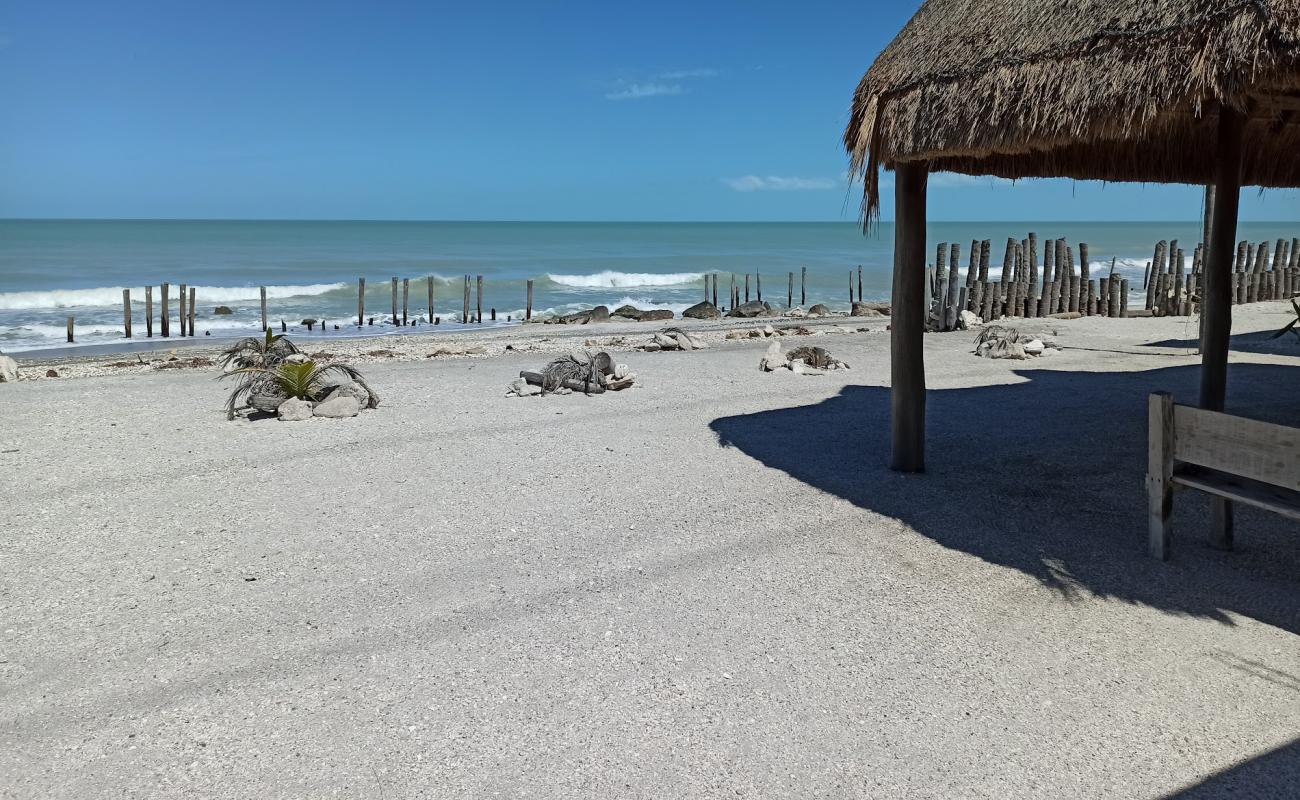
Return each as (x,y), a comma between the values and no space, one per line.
(629,221)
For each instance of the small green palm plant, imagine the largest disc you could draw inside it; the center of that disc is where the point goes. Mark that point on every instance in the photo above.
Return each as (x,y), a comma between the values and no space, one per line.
(257,351)
(265,387)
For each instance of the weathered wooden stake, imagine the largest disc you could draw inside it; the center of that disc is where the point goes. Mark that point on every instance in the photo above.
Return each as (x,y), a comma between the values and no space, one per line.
(192,291)
(406,300)
(479,298)
(528,312)
(803,282)
(70,325)
(126,312)
(148,311)
(907,355)
(181,302)
(164,318)
(361,304)
(464,314)
(746,287)
(789,293)
(263,293)
(394,299)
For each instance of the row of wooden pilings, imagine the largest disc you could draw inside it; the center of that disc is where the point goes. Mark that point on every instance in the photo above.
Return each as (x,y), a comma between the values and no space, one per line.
(1066,286)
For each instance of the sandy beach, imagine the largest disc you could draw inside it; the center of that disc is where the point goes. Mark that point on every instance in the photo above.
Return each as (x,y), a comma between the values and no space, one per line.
(709,585)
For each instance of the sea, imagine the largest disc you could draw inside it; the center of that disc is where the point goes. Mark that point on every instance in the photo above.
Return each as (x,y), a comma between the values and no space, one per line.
(51,270)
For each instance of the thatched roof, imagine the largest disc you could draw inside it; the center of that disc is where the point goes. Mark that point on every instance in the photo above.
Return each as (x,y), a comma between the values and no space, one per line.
(1121,90)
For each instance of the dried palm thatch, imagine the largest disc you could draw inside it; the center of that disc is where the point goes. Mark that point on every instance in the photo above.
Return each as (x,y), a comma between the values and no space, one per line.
(580,366)
(1123,90)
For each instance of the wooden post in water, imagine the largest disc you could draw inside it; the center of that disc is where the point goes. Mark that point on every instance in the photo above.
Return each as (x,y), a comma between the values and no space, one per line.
(192,291)
(528,312)
(715,290)
(1084,273)
(428,286)
(263,293)
(394,299)
(361,303)
(950,301)
(148,311)
(164,318)
(126,312)
(758,285)
(70,325)
(732,300)
(789,293)
(479,298)
(859,283)
(746,287)
(406,301)
(850,288)
(803,285)
(464,314)
(180,300)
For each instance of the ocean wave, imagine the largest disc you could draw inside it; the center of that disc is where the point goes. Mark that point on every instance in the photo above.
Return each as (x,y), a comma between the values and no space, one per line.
(610,279)
(110,296)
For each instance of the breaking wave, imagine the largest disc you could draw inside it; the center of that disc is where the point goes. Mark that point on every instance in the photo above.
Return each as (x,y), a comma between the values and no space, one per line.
(112,295)
(618,280)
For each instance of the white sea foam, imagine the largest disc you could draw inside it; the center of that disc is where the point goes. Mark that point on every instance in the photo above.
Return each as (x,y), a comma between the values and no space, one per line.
(611,279)
(111,296)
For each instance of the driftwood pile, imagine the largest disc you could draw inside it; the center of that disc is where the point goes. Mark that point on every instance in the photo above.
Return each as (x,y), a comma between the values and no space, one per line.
(801,360)
(995,341)
(579,371)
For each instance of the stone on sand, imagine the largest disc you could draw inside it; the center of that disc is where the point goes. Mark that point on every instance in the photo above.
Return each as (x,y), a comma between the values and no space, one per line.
(705,310)
(340,407)
(8,370)
(294,410)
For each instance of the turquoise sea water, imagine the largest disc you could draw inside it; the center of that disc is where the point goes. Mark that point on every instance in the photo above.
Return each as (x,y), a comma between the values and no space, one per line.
(51,269)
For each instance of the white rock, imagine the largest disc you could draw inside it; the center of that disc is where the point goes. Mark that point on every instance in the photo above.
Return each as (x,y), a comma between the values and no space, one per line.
(8,370)
(337,408)
(522,388)
(621,371)
(769,331)
(297,358)
(773,359)
(294,410)
(969,319)
(684,342)
(797,311)
(1035,347)
(665,341)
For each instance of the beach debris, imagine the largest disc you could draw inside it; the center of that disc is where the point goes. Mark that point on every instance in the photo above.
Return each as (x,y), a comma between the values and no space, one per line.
(754,308)
(797,311)
(293,410)
(365,396)
(767,332)
(819,310)
(578,371)
(458,350)
(674,339)
(8,369)
(705,310)
(996,341)
(801,360)
(968,319)
(869,309)
(223,311)
(51,373)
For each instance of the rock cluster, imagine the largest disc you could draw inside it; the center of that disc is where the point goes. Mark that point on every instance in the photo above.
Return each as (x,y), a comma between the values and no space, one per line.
(767,332)
(705,310)
(674,339)
(800,360)
(579,371)
(995,341)
(335,402)
(754,308)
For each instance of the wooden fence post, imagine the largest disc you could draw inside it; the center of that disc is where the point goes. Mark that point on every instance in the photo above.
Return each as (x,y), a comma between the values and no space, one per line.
(126,312)
(789,292)
(406,301)
(428,285)
(528,312)
(164,318)
(148,311)
(464,314)
(803,286)
(479,297)
(70,325)
(192,291)
(394,299)
(361,302)
(181,307)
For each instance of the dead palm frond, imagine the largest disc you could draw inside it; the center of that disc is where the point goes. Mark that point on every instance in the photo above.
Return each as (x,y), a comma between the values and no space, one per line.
(257,351)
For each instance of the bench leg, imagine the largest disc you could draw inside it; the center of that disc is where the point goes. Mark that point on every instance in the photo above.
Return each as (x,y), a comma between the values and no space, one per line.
(1160,511)
(1220,523)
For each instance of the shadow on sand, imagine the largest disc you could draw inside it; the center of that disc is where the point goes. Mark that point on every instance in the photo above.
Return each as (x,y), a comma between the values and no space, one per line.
(1064,454)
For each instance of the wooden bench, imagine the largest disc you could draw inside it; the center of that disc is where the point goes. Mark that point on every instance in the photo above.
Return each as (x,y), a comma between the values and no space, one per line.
(1233,459)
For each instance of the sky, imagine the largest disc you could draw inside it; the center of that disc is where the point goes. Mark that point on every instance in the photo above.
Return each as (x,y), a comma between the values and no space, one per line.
(572,110)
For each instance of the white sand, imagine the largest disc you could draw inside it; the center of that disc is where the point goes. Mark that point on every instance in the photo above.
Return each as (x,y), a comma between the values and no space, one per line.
(707,586)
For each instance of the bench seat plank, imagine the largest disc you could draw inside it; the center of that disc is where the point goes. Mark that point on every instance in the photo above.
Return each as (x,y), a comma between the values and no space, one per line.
(1285,502)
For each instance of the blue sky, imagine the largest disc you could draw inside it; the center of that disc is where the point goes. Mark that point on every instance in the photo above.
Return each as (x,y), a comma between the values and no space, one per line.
(389,110)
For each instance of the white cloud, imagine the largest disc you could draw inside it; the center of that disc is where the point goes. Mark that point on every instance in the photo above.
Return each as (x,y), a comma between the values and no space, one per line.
(686,74)
(776,183)
(636,91)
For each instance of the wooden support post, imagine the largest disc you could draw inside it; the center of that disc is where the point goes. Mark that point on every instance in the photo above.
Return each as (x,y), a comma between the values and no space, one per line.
(928,298)
(1113,305)
(803,285)
(406,301)
(732,300)
(464,313)
(746,287)
(984,261)
(192,291)
(715,290)
(859,283)
(789,293)
(907,358)
(977,300)
(70,326)
(1007,266)
(394,294)
(758,286)
(1094,307)
(262,291)
(126,312)
(1049,275)
(164,318)
(428,287)
(479,298)
(361,304)
(1085,273)
(528,312)
(1103,298)
(1218,262)
(148,311)
(1160,473)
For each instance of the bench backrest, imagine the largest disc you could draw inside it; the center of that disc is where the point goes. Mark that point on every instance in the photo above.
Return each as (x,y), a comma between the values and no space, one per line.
(1248,448)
